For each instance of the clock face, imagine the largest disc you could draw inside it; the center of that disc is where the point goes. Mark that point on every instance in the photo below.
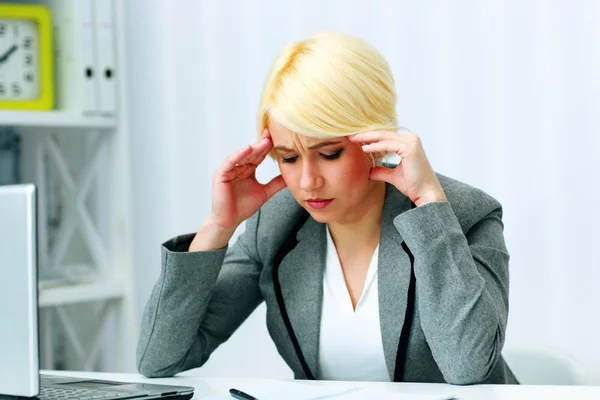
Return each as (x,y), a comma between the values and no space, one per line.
(19,59)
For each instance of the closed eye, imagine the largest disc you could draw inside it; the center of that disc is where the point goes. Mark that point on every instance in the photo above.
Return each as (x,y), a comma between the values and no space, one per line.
(289,159)
(332,156)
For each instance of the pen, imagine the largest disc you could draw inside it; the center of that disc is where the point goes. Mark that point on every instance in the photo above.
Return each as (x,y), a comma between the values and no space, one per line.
(238,394)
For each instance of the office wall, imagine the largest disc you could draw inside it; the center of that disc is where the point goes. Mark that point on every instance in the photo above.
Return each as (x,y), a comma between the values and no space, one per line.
(504,95)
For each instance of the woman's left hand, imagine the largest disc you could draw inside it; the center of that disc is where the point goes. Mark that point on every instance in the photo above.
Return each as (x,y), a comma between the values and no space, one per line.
(413,176)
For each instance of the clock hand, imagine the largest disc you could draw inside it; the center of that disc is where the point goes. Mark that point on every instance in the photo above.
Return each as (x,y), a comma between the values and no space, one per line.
(8,53)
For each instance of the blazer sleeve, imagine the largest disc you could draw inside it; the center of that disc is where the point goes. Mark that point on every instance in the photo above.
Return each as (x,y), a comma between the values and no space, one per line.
(199,300)
(461,287)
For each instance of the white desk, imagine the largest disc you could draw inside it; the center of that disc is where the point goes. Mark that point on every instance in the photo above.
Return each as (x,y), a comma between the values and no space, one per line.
(215,386)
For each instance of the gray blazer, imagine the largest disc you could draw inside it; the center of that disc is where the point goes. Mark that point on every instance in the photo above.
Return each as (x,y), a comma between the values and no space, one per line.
(460,265)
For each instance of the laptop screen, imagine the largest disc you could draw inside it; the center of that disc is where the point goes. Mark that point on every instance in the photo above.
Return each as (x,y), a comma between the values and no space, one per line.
(19,363)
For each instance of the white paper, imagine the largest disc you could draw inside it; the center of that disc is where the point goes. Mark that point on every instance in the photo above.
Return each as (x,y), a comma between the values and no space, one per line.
(342,391)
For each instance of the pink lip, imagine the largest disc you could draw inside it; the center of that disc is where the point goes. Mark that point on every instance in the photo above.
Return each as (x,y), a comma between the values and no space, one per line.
(318,203)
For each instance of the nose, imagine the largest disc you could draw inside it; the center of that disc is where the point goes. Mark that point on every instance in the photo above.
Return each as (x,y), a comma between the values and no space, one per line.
(311,178)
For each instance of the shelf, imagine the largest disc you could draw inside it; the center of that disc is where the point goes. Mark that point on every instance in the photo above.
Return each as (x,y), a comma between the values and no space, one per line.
(54,119)
(79,293)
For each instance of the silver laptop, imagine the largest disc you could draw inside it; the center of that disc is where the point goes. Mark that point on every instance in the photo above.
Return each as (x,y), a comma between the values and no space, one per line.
(19,348)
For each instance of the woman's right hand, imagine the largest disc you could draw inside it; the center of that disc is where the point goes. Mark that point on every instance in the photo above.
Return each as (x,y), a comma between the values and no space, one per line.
(236,194)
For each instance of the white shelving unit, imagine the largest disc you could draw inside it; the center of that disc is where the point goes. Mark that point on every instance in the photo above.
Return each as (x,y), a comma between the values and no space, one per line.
(85,307)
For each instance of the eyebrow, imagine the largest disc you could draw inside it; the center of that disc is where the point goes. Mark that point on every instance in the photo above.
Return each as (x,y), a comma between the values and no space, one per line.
(314,146)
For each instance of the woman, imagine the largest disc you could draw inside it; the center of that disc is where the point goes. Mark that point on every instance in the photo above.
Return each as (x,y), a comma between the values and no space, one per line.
(368,271)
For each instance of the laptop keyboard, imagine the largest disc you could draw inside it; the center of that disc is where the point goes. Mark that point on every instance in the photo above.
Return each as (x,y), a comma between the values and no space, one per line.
(51,393)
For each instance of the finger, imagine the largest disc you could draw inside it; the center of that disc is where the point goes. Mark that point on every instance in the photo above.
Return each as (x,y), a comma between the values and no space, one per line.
(265,134)
(259,149)
(233,159)
(382,174)
(260,157)
(373,136)
(274,186)
(388,146)
(262,151)
(240,171)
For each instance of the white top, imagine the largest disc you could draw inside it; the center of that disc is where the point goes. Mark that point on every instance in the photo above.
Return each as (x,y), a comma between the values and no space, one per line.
(350,344)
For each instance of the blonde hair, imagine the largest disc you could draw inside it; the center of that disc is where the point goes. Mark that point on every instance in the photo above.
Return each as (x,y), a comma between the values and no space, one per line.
(329,85)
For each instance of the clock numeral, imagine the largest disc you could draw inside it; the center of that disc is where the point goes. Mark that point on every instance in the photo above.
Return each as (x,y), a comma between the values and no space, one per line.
(2,89)
(16,88)
(28,59)
(2,29)
(27,43)
(29,77)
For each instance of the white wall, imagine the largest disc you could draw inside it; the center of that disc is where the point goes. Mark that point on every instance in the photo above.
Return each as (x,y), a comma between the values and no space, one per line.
(505,95)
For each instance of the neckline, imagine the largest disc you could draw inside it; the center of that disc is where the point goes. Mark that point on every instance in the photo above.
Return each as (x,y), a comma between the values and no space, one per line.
(335,273)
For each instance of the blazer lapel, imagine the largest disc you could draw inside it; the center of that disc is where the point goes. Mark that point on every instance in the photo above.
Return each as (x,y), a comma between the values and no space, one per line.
(393,276)
(301,279)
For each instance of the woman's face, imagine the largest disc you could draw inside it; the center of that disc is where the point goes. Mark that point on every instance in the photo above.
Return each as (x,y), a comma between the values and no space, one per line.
(328,177)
